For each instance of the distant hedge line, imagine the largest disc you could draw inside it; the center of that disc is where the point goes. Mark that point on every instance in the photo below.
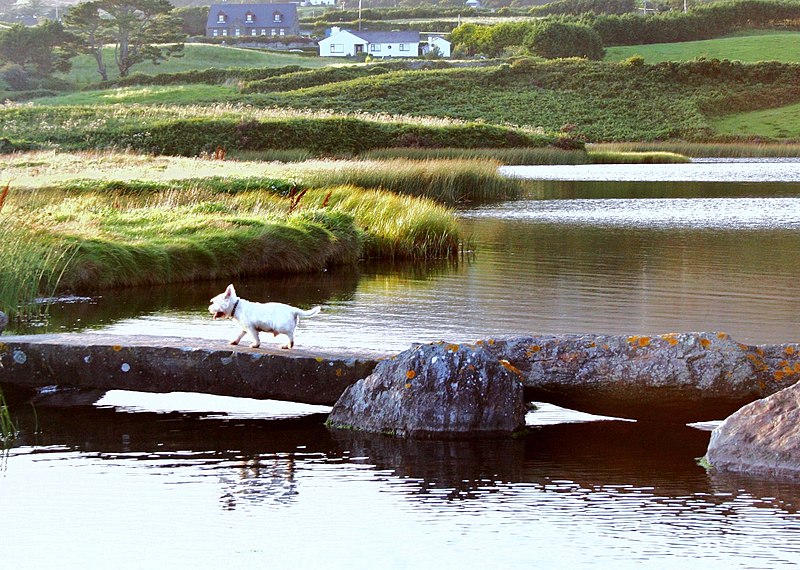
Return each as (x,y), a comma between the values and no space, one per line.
(334,136)
(702,22)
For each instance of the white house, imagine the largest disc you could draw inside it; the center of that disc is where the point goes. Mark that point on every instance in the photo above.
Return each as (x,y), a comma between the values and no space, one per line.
(341,43)
(441,45)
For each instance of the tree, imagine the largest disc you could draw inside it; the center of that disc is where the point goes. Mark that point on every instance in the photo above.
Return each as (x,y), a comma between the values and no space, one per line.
(553,39)
(141,30)
(85,21)
(42,49)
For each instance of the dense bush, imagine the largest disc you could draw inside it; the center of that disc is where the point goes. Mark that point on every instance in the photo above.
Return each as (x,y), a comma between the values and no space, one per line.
(577,7)
(558,39)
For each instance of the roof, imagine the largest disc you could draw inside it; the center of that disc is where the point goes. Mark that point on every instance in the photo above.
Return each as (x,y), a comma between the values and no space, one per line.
(263,14)
(385,37)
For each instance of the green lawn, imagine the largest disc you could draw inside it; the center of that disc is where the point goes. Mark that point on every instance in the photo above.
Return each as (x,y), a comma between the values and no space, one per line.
(780,123)
(195,56)
(766,46)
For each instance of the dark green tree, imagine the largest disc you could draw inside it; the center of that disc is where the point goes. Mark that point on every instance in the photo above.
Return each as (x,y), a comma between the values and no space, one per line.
(85,21)
(41,50)
(141,30)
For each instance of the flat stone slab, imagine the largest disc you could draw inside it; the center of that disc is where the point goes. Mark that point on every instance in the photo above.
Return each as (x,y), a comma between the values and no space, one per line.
(171,364)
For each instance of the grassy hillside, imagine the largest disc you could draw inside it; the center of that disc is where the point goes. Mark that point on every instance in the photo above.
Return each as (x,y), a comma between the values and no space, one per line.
(195,56)
(767,46)
(778,123)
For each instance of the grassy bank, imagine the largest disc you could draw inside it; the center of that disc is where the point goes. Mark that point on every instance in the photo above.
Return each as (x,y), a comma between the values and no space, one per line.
(148,220)
(535,156)
(705,150)
(190,130)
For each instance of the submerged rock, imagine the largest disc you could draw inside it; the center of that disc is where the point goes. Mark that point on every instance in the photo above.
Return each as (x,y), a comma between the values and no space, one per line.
(761,438)
(440,389)
(679,377)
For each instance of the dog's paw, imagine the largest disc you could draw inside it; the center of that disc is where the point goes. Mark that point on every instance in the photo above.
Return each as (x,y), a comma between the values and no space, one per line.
(255,345)
(234,342)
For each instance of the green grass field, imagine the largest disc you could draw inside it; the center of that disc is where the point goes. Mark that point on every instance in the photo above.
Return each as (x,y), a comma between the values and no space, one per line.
(195,56)
(752,48)
(779,123)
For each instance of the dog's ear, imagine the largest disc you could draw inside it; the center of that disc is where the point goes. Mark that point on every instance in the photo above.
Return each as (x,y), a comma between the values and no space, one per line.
(230,291)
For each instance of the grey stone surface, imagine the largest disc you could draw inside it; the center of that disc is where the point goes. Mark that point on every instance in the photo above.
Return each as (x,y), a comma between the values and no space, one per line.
(435,390)
(762,438)
(166,364)
(680,377)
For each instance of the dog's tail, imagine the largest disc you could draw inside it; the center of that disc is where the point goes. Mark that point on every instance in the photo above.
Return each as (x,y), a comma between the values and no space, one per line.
(308,313)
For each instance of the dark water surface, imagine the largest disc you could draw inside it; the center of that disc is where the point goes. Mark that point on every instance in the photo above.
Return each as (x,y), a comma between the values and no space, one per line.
(130,480)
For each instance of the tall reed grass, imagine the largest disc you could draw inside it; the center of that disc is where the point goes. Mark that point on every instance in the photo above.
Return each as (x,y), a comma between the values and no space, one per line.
(32,261)
(8,429)
(706,150)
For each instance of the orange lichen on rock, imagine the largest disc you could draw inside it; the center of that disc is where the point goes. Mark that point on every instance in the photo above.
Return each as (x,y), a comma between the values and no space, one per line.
(705,343)
(644,341)
(722,335)
(789,350)
(508,366)
(411,374)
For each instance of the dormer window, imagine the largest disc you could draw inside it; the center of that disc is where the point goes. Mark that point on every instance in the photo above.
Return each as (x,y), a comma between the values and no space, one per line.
(277,17)
(249,18)
(222,18)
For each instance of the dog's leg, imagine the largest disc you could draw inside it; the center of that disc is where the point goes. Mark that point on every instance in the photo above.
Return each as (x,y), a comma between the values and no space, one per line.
(290,344)
(238,338)
(256,339)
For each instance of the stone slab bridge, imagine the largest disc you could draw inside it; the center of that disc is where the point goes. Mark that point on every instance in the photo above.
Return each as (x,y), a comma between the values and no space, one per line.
(677,377)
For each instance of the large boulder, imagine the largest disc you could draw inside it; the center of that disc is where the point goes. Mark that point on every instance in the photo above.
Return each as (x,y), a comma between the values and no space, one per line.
(761,438)
(441,390)
(678,377)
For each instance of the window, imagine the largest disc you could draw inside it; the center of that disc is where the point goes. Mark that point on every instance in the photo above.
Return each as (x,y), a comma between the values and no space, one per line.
(221,18)
(374,47)
(274,32)
(215,32)
(237,32)
(282,32)
(224,32)
(253,32)
(337,48)
(263,32)
(277,17)
(249,18)
(404,47)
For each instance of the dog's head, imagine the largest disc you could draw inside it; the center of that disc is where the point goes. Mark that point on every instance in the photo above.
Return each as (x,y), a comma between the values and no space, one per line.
(222,305)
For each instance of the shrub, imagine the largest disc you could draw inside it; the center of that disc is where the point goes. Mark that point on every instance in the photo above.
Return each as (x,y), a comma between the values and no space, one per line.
(559,39)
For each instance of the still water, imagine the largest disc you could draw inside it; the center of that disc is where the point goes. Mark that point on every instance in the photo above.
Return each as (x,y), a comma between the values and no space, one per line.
(188,481)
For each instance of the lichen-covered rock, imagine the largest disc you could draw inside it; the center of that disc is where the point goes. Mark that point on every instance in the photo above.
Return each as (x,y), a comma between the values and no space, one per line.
(761,438)
(439,389)
(679,377)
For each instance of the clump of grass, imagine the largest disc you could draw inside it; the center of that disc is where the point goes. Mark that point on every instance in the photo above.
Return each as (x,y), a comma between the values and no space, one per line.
(8,429)
(151,232)
(447,181)
(650,157)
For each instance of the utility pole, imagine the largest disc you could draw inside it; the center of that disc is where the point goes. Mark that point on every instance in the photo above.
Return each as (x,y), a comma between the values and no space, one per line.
(359,15)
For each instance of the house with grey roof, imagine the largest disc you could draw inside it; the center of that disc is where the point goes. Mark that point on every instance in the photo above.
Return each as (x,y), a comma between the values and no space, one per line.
(342,43)
(243,20)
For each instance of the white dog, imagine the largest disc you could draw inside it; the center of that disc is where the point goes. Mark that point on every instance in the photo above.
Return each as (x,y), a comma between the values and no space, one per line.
(275,318)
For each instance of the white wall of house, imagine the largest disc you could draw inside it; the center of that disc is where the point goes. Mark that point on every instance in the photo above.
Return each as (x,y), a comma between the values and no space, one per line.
(342,43)
(441,44)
